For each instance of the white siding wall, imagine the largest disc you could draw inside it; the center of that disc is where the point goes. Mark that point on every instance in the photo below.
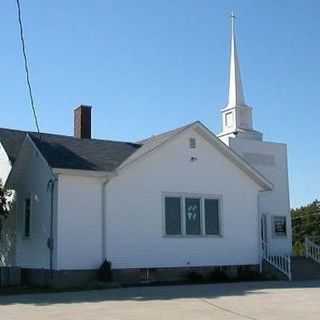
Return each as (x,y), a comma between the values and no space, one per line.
(5,165)
(79,222)
(271,160)
(134,209)
(31,178)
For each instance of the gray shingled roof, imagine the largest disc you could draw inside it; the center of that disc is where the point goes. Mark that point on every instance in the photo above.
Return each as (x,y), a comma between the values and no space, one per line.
(68,152)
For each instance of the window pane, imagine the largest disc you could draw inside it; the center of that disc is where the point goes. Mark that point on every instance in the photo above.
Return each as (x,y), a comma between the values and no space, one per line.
(280,226)
(193,216)
(27,208)
(173,215)
(211,207)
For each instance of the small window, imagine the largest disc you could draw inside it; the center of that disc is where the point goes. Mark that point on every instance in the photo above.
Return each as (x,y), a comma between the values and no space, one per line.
(280,226)
(27,217)
(193,222)
(211,210)
(192,143)
(173,215)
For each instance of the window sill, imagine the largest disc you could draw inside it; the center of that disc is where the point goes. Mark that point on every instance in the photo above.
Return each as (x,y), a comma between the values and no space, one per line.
(192,236)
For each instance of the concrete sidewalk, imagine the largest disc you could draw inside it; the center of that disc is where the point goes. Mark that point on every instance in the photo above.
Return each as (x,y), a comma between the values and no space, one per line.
(260,300)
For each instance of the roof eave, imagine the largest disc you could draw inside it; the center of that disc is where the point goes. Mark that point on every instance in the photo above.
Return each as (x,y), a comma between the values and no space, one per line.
(84,173)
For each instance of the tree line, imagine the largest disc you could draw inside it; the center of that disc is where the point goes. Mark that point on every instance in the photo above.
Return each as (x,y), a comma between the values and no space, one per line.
(305,223)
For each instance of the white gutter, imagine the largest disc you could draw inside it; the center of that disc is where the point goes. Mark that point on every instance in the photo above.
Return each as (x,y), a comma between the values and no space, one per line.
(84,173)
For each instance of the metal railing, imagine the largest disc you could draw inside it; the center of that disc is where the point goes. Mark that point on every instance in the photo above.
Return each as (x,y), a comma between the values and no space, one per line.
(281,262)
(312,250)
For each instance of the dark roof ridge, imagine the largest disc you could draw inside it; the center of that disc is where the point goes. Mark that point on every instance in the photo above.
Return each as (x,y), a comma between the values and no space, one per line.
(67,136)
(171,131)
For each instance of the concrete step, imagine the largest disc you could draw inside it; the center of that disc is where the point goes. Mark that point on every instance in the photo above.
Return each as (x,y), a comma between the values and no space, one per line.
(304,269)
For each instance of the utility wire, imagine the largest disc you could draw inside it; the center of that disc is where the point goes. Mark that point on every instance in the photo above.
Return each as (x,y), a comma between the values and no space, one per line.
(26,67)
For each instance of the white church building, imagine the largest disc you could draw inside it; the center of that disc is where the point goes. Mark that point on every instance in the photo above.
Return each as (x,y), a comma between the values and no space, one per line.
(183,200)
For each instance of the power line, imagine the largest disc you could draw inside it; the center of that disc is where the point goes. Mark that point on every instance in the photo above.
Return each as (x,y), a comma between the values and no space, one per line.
(26,67)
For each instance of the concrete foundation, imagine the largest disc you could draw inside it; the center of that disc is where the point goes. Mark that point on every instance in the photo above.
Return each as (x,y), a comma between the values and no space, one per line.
(58,279)
(81,278)
(10,277)
(128,276)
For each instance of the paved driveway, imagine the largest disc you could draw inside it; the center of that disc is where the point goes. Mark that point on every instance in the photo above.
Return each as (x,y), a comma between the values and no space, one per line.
(261,300)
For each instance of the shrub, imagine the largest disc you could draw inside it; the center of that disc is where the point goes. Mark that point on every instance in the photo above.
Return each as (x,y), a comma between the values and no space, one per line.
(105,272)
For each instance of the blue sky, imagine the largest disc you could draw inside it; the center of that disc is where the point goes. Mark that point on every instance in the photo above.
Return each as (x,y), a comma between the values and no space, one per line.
(148,66)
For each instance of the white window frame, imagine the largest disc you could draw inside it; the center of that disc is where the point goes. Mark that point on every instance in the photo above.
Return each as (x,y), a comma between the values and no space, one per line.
(274,234)
(202,197)
(24,217)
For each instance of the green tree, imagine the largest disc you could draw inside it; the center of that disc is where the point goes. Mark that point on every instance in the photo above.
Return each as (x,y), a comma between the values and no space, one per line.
(305,223)
(5,202)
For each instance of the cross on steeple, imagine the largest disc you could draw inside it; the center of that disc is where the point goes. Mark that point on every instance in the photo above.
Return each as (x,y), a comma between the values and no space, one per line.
(236,96)
(236,115)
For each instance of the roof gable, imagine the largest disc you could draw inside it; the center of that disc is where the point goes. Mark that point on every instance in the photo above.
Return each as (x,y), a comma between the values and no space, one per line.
(155,142)
(152,143)
(240,162)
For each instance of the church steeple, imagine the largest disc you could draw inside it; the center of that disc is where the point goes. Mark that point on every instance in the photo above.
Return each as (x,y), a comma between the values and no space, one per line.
(236,115)
(236,97)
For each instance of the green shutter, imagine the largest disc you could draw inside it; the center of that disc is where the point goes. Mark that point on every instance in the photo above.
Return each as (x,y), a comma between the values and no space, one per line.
(211,207)
(173,215)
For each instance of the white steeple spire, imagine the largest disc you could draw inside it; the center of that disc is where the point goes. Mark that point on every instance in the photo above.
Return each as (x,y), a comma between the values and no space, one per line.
(236,115)
(236,97)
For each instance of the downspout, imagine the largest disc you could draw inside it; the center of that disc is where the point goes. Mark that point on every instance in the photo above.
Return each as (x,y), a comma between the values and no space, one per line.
(103,219)
(259,234)
(50,242)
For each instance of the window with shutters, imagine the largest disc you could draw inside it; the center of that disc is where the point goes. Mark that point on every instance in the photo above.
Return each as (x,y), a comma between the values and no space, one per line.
(192,215)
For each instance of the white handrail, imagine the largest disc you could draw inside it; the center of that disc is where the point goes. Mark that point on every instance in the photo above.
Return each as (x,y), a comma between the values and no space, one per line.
(312,250)
(281,263)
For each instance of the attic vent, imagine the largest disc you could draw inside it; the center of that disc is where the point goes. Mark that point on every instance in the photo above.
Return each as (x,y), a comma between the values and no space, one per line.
(192,143)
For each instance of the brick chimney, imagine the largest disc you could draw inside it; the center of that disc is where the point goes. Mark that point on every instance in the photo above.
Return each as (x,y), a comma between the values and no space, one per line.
(82,122)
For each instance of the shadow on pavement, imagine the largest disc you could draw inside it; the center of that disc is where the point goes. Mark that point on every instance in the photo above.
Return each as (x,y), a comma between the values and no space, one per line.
(205,291)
